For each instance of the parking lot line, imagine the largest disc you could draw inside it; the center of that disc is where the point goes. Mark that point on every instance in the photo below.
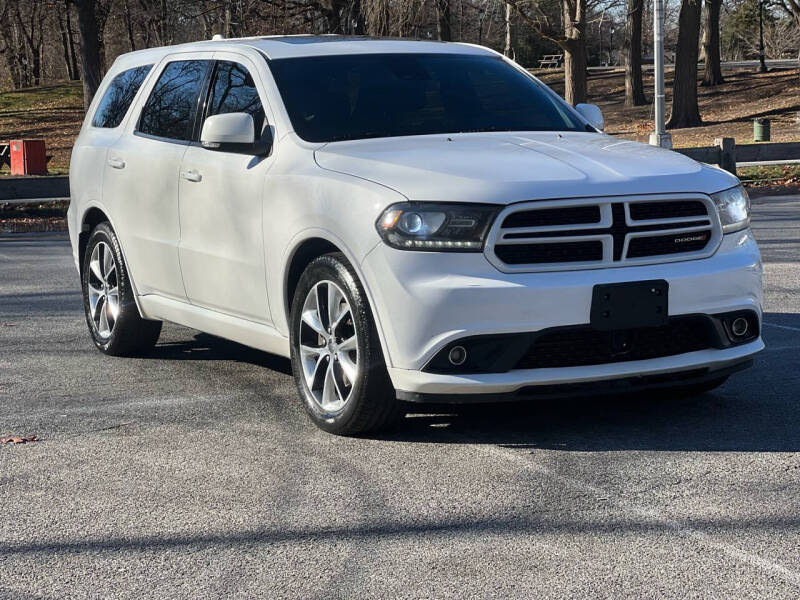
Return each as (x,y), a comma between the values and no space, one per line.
(666,522)
(782,326)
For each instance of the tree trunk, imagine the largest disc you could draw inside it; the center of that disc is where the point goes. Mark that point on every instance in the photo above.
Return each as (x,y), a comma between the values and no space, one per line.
(90,49)
(574,47)
(685,111)
(358,21)
(574,72)
(443,20)
(36,66)
(634,87)
(703,38)
(9,46)
(332,11)
(713,70)
(507,49)
(74,74)
(129,26)
(65,44)
(32,40)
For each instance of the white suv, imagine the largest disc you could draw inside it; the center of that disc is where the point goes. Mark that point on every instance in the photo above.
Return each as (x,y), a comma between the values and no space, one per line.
(409,221)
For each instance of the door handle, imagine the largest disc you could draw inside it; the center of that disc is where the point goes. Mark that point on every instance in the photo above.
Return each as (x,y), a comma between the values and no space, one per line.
(191,176)
(116,163)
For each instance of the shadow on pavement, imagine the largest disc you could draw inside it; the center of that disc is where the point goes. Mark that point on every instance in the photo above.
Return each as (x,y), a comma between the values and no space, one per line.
(757,410)
(369,532)
(204,346)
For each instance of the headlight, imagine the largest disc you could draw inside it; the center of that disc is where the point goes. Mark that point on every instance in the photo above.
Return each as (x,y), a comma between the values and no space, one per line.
(733,206)
(436,226)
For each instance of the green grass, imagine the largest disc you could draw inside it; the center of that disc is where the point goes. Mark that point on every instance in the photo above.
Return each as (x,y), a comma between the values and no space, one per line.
(769,174)
(49,96)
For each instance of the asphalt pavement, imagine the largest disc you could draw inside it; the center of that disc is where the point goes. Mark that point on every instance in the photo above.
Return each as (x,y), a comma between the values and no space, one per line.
(194,473)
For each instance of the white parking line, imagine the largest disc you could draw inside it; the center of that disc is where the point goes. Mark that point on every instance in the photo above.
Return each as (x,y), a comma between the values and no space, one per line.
(667,522)
(782,326)
(780,348)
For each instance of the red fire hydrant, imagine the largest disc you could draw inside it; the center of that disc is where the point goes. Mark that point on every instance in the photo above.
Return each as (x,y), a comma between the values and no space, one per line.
(28,157)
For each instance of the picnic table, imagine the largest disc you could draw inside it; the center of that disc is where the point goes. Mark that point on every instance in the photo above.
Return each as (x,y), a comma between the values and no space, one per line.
(551,61)
(5,154)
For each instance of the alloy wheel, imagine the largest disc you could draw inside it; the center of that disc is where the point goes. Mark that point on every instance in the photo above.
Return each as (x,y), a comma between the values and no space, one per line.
(328,346)
(103,287)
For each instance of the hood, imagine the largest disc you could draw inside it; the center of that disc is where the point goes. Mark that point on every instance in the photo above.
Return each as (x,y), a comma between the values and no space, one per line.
(502,168)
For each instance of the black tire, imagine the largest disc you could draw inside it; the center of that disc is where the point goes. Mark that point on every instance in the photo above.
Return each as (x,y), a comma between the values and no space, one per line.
(130,334)
(371,405)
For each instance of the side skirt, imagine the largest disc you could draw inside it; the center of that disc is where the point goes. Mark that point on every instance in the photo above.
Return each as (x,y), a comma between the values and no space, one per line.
(255,335)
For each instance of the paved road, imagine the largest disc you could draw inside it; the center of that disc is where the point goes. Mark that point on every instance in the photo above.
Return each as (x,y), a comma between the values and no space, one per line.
(194,473)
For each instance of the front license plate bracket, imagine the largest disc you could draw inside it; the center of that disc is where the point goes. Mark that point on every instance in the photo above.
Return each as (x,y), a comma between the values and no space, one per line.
(630,305)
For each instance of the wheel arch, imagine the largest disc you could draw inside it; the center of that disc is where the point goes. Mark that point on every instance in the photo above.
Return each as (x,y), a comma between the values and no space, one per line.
(304,251)
(91,219)
(302,255)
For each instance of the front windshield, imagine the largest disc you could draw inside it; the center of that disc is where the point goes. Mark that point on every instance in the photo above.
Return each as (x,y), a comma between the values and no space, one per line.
(350,97)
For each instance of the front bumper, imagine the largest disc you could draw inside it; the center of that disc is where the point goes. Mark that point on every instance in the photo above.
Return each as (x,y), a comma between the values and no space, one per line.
(423,301)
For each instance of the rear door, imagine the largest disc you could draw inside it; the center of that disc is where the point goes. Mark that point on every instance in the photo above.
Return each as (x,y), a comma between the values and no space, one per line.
(102,132)
(142,173)
(221,203)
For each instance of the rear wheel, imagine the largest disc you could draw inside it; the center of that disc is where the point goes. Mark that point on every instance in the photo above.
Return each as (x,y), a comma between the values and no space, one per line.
(108,300)
(337,360)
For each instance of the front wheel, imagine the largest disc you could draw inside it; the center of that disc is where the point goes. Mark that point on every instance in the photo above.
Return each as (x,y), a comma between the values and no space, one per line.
(337,360)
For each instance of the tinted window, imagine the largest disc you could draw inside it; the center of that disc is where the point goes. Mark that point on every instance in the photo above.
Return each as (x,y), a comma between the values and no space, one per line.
(172,105)
(118,97)
(380,95)
(234,91)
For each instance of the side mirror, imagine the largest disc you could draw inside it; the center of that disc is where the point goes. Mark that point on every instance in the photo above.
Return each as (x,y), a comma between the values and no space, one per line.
(593,114)
(232,132)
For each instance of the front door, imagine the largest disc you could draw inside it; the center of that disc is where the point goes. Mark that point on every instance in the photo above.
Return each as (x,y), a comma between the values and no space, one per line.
(221,206)
(141,178)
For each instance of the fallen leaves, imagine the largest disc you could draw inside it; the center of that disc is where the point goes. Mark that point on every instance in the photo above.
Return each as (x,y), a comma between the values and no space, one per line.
(15,439)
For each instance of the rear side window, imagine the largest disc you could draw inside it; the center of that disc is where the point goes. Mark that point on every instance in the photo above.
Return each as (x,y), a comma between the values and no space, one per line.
(233,90)
(118,97)
(171,108)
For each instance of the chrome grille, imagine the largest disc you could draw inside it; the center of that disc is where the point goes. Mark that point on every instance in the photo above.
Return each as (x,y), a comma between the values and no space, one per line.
(554,235)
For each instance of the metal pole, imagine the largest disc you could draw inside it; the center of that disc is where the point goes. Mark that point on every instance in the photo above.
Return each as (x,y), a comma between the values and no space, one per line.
(660,137)
(763,66)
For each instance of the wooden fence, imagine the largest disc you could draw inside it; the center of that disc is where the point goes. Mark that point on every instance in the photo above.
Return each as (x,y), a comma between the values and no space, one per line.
(727,154)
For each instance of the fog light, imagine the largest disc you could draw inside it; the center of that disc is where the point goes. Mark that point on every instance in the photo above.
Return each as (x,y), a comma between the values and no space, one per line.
(457,355)
(740,326)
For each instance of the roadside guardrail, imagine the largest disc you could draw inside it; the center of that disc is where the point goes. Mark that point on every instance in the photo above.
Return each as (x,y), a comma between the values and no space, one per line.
(41,189)
(728,155)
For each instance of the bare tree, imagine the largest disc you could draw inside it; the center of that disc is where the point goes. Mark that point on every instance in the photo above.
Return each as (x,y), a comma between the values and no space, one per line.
(713,68)
(63,15)
(634,87)
(30,17)
(685,110)
(11,44)
(791,8)
(443,20)
(507,47)
(781,38)
(571,39)
(90,48)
